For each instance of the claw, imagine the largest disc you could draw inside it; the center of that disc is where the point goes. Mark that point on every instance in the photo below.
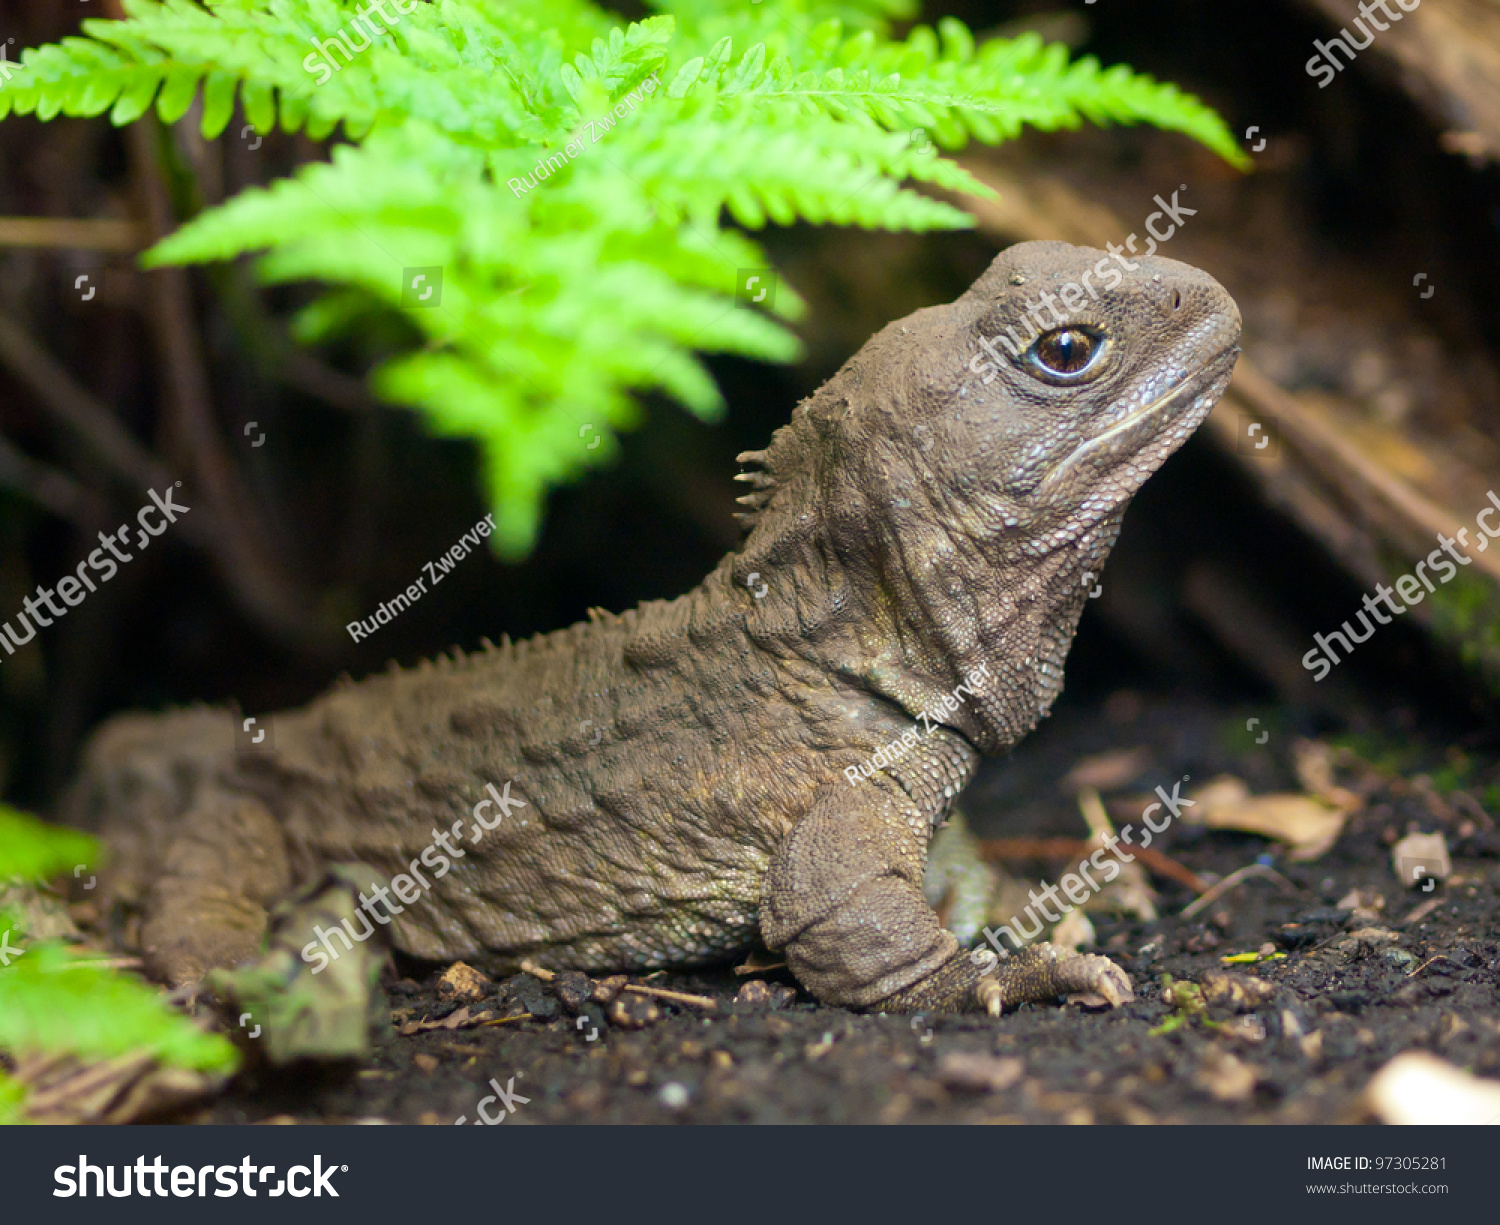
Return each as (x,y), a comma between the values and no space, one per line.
(1112,983)
(988,991)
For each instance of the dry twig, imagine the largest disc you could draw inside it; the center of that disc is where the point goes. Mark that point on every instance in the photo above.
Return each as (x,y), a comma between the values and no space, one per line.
(71,234)
(1007,849)
(1230,881)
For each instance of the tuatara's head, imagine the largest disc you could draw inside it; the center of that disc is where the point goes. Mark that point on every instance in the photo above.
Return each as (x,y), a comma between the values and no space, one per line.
(1043,398)
(972,462)
(1092,374)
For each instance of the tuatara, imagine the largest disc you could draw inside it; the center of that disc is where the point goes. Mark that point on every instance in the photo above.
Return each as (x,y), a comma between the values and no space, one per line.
(762,759)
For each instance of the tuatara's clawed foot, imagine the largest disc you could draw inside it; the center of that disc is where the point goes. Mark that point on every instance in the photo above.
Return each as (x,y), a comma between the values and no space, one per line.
(981,981)
(1045,971)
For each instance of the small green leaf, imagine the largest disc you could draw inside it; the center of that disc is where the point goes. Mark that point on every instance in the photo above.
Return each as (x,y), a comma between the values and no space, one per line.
(31,850)
(259,101)
(177,93)
(686,78)
(218,103)
(51,999)
(135,100)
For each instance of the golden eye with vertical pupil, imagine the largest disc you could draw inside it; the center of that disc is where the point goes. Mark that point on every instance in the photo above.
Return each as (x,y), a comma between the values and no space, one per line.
(1065,353)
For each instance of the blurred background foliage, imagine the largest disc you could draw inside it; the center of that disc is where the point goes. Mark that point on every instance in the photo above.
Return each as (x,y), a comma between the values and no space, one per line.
(256,352)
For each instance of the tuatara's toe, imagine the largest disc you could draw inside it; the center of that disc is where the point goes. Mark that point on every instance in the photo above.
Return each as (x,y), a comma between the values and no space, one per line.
(1095,981)
(1110,982)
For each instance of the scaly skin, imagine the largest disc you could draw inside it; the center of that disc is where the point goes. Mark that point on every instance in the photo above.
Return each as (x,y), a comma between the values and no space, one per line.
(915,529)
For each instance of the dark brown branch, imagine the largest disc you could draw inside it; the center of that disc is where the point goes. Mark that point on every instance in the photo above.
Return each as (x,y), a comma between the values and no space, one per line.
(71,233)
(50,489)
(67,401)
(244,557)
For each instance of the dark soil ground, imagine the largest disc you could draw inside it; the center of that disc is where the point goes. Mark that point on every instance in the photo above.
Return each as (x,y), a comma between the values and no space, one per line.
(1347,991)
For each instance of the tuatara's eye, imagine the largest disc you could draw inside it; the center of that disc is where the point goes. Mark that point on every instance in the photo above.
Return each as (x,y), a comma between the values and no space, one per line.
(1065,353)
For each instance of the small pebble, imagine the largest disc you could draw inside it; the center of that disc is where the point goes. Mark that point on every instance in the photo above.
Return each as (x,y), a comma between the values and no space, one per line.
(1399,958)
(975,1070)
(673,1096)
(573,988)
(1236,992)
(463,983)
(1225,1077)
(535,999)
(634,1012)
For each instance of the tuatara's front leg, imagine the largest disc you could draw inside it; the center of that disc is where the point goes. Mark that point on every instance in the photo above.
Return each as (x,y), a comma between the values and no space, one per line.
(844,899)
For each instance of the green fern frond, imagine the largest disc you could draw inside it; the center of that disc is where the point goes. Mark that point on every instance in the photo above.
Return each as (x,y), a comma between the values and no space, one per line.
(851,14)
(568,176)
(943,83)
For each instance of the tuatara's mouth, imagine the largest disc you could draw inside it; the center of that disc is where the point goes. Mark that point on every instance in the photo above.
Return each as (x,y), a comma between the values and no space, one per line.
(1160,413)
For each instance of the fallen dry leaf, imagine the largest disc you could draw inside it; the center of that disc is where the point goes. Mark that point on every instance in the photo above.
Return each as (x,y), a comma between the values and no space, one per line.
(1226,1078)
(1105,771)
(759,962)
(1421,912)
(1235,992)
(1074,932)
(1314,761)
(42,914)
(1130,892)
(1308,826)
(462,1019)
